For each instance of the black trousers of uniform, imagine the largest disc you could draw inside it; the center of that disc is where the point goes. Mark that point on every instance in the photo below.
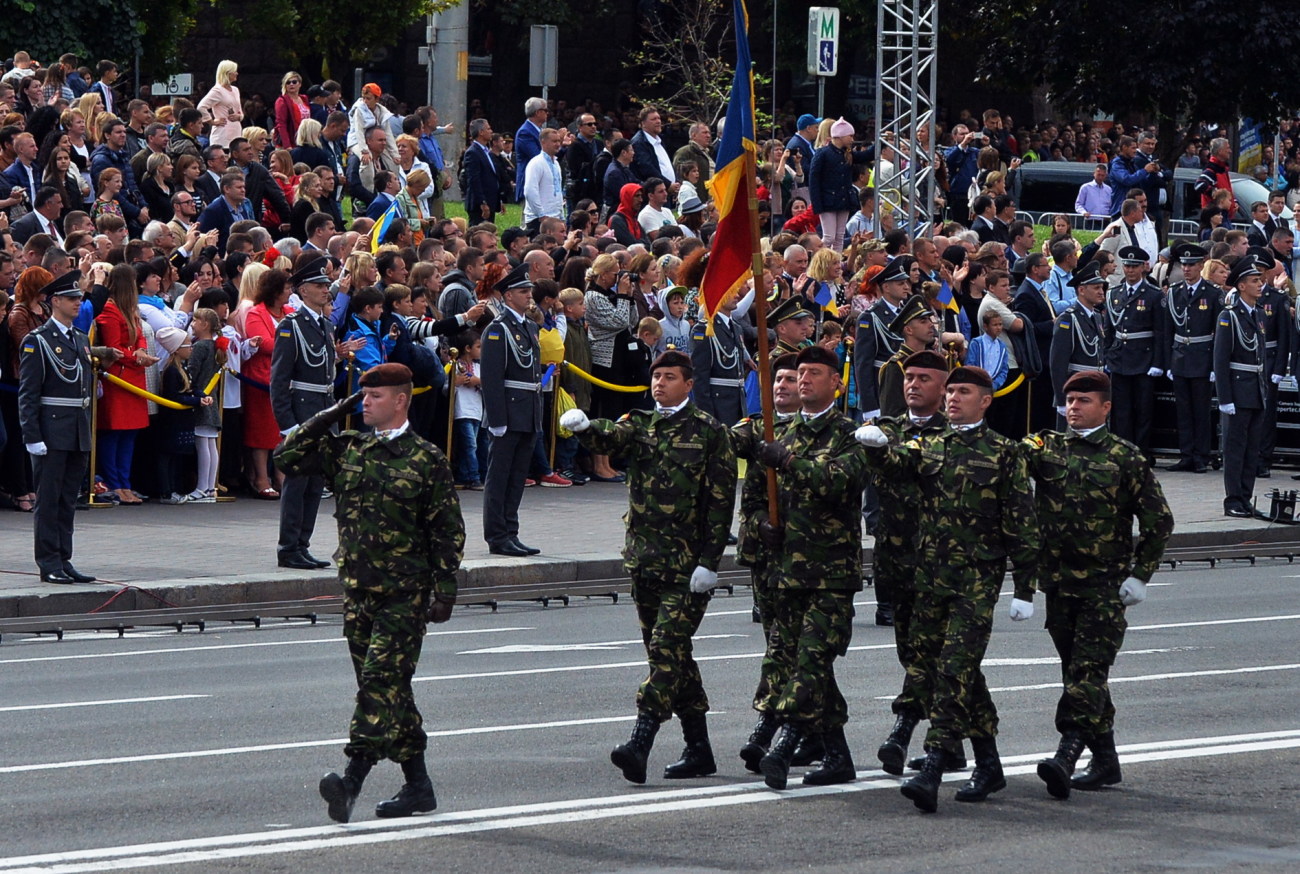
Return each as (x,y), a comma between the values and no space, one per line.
(59,475)
(1268,429)
(1241,439)
(1192,400)
(507,469)
(1133,400)
(299,502)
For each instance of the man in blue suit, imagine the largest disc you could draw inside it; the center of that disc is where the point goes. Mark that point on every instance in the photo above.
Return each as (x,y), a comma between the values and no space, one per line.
(528,139)
(482,189)
(232,206)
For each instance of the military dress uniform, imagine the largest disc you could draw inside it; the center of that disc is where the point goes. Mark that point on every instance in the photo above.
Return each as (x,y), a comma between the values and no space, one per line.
(1188,316)
(889,378)
(401,539)
(1241,382)
(510,371)
(1131,360)
(721,363)
(1088,489)
(55,385)
(302,385)
(873,346)
(1077,343)
(681,497)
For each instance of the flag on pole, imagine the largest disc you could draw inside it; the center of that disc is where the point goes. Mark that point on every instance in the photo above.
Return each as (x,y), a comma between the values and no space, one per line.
(945,296)
(825,298)
(381,227)
(731,258)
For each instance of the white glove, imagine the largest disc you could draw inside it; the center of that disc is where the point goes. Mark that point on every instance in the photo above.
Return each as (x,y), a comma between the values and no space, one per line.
(703,580)
(1211,376)
(1277,377)
(498,431)
(1060,411)
(1228,409)
(575,420)
(870,435)
(1133,591)
(37,448)
(1155,371)
(1021,610)
(1169,374)
(870,415)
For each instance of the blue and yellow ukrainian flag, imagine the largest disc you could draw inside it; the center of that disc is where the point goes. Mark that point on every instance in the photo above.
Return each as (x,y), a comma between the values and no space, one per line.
(945,296)
(380,230)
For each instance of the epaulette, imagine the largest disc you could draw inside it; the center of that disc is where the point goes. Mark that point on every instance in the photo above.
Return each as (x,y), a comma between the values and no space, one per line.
(1034,441)
(625,417)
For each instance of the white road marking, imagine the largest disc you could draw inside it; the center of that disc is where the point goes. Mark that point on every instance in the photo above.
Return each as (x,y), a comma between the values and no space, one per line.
(98,703)
(297,745)
(1055,660)
(1201,623)
(222,646)
(575,647)
(254,844)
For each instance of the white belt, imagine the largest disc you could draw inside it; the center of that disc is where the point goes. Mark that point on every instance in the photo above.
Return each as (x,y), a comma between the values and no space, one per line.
(1135,335)
(523,386)
(1271,344)
(732,383)
(311,386)
(1203,338)
(1249,368)
(880,363)
(1083,367)
(66,402)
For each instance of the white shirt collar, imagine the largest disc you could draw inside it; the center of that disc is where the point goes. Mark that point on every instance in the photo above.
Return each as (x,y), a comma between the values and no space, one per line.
(919,420)
(393,433)
(808,417)
(969,427)
(668,411)
(1084,432)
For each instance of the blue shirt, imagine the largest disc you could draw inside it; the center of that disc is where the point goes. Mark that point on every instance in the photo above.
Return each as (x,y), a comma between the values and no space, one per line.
(1059,290)
(990,354)
(432,154)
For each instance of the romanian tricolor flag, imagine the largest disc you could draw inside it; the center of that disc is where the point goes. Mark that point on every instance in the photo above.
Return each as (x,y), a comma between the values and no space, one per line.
(731,258)
(380,230)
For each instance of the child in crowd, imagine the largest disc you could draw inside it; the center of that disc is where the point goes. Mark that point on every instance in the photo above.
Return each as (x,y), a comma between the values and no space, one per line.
(238,350)
(675,330)
(988,351)
(206,357)
(648,335)
(176,427)
(365,310)
(467,464)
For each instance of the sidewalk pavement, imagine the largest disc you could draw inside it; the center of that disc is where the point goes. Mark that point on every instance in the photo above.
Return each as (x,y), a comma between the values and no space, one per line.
(208,554)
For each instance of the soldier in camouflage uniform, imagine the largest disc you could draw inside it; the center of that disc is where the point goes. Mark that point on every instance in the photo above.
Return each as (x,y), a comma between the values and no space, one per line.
(401,538)
(752,552)
(1089,486)
(682,493)
(896,556)
(820,476)
(976,513)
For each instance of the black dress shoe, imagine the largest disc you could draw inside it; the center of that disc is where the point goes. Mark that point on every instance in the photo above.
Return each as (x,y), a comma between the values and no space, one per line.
(77,576)
(507,548)
(1182,465)
(316,561)
(1238,512)
(56,577)
(885,616)
(528,550)
(297,561)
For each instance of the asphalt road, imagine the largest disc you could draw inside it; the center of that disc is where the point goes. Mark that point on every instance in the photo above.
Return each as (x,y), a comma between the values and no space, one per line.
(201,752)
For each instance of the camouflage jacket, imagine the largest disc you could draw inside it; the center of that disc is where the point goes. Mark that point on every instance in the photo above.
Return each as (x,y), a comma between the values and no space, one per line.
(681,475)
(820,493)
(400,527)
(1088,489)
(746,438)
(975,502)
(900,518)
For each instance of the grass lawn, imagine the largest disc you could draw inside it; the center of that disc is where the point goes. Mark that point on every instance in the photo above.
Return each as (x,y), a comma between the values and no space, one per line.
(1042,233)
(512,216)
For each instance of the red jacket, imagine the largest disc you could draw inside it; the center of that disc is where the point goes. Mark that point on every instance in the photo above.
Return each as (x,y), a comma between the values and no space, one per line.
(287,120)
(119,409)
(1212,178)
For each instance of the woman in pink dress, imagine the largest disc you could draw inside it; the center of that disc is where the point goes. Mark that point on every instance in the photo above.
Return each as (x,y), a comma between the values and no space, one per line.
(223,106)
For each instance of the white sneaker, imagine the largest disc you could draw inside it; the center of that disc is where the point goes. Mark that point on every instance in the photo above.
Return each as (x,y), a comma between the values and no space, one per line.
(174,498)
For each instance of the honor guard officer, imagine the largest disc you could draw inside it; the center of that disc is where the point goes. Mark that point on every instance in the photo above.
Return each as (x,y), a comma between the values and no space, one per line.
(1078,338)
(874,343)
(682,493)
(915,325)
(896,553)
(977,512)
(1279,327)
(302,384)
(510,371)
(1089,486)
(1241,382)
(721,363)
(401,537)
(55,384)
(1132,311)
(759,549)
(792,321)
(1189,313)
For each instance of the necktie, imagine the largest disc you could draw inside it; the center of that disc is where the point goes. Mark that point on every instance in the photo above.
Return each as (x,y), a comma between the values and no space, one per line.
(1132,234)
(52,230)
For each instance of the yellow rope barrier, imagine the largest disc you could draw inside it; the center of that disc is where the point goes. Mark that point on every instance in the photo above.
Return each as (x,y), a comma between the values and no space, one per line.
(1008,389)
(630,389)
(164,402)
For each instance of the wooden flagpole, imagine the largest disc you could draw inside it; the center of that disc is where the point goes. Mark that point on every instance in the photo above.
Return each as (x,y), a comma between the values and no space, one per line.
(760,304)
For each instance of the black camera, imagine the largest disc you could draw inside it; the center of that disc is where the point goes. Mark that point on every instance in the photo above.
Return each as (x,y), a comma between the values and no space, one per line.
(632,277)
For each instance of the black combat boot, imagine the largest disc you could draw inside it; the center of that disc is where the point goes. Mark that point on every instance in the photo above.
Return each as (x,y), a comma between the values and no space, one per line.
(952,761)
(893,752)
(987,777)
(1056,771)
(759,741)
(810,749)
(837,762)
(697,757)
(416,794)
(631,757)
(1103,770)
(776,764)
(341,792)
(923,789)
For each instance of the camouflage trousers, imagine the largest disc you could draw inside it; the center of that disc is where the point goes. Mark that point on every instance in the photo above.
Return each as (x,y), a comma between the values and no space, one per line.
(894,577)
(763,578)
(669,619)
(1087,628)
(813,628)
(384,634)
(950,630)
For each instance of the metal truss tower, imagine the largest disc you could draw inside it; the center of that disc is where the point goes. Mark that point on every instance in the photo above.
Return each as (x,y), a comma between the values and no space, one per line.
(907,34)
